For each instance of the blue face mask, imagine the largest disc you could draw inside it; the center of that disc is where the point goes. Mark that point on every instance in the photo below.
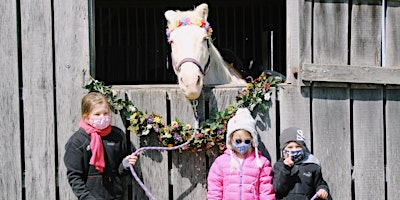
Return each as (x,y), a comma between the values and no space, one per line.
(297,155)
(242,147)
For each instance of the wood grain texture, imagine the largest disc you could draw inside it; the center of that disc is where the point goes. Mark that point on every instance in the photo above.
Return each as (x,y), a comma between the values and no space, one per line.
(350,73)
(368,135)
(153,165)
(188,183)
(267,130)
(330,32)
(392,127)
(10,145)
(71,56)
(298,34)
(392,34)
(38,99)
(294,109)
(331,136)
(365,44)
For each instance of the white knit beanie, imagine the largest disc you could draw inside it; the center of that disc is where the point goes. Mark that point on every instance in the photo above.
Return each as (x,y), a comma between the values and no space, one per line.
(243,120)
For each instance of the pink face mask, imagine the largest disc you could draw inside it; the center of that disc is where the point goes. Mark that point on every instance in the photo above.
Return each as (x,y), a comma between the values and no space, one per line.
(100,122)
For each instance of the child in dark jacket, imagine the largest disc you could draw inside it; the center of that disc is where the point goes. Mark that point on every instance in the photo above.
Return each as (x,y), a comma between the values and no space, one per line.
(96,156)
(297,175)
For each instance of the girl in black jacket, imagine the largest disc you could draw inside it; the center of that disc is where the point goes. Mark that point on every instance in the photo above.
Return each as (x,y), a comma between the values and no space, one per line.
(297,175)
(96,156)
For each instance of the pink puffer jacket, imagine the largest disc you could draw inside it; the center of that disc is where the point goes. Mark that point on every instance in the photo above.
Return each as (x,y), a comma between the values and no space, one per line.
(248,183)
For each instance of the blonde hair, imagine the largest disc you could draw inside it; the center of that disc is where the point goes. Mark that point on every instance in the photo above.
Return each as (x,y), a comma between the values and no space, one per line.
(91,100)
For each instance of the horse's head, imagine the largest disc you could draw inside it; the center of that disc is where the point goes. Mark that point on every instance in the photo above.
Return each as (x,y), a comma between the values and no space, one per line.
(189,34)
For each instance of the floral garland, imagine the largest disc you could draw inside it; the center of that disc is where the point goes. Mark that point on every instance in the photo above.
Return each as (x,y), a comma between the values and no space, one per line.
(186,21)
(211,132)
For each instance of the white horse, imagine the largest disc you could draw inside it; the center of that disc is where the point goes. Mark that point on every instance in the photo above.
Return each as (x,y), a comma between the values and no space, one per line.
(196,61)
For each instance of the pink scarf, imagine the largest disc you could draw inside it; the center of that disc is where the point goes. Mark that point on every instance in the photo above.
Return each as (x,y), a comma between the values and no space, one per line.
(96,144)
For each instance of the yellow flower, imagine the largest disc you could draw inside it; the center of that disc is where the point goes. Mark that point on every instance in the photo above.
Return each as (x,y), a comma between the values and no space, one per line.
(249,85)
(157,119)
(198,21)
(174,123)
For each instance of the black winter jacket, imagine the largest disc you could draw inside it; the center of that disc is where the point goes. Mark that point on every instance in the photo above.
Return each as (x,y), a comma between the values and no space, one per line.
(299,182)
(86,182)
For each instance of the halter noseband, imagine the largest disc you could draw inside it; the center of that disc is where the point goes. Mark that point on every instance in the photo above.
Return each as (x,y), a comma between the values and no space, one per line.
(194,61)
(177,67)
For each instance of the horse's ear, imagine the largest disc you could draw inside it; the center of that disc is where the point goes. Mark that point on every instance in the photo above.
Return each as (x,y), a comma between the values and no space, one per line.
(202,10)
(170,15)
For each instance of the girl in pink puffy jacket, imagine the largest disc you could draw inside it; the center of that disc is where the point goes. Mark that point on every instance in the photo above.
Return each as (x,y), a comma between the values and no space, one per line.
(241,172)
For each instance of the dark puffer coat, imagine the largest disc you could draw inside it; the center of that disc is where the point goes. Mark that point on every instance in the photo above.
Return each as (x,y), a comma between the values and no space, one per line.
(299,182)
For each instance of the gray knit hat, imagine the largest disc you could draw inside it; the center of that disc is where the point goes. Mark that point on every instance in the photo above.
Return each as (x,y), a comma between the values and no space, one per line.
(292,134)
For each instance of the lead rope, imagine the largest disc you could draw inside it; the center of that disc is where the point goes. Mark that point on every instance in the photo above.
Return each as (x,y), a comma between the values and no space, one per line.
(314,197)
(195,131)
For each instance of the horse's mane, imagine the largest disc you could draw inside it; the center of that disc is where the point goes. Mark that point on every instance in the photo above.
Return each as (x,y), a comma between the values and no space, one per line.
(224,69)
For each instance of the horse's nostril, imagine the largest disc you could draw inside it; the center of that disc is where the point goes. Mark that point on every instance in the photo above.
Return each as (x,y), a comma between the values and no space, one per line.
(198,80)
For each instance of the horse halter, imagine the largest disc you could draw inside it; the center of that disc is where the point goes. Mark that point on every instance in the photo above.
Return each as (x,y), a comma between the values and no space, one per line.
(177,67)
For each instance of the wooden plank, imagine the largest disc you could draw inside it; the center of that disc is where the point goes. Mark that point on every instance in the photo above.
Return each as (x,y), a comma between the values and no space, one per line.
(10,145)
(38,99)
(331,128)
(392,125)
(152,165)
(220,98)
(118,120)
(298,37)
(294,109)
(267,130)
(330,32)
(188,173)
(392,33)
(365,44)
(368,135)
(71,52)
(350,73)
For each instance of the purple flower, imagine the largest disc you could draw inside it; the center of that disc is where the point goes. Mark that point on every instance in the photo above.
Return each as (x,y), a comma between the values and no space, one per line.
(220,131)
(177,137)
(185,21)
(157,129)
(149,119)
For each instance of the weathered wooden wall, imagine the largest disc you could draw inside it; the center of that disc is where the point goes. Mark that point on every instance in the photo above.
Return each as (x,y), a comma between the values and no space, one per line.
(352,123)
(348,86)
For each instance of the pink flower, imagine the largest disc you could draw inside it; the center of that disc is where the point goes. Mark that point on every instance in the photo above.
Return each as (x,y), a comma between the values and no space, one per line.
(267,86)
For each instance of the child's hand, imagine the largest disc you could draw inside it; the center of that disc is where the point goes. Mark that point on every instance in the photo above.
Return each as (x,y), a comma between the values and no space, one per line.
(288,159)
(322,194)
(129,160)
